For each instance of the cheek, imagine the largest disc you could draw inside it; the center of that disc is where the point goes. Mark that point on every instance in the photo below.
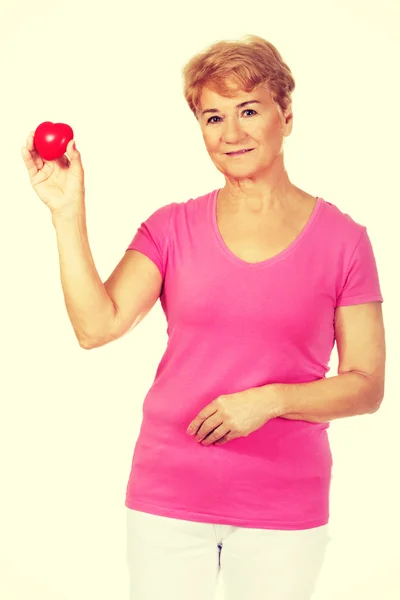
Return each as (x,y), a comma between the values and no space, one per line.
(213,146)
(210,138)
(209,141)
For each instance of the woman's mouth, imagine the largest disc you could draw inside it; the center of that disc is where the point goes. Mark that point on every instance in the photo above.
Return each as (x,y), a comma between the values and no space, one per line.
(239,153)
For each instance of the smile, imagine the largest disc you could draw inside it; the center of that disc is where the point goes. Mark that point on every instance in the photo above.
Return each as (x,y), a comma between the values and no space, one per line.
(239,153)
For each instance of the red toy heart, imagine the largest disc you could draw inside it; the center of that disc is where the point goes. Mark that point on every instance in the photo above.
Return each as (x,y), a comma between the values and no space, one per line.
(51,139)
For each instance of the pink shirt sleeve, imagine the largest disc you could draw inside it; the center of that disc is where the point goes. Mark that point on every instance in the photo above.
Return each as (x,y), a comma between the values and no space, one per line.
(152,236)
(361,283)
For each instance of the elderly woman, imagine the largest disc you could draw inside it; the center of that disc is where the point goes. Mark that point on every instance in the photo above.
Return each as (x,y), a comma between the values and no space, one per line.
(232,467)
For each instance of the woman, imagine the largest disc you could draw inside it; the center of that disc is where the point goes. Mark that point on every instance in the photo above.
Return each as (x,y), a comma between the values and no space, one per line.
(257,280)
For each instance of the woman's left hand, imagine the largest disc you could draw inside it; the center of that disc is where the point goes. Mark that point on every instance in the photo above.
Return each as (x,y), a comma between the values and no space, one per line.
(233,415)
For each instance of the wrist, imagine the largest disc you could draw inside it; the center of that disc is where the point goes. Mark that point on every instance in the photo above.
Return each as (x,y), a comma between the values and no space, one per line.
(70,213)
(276,400)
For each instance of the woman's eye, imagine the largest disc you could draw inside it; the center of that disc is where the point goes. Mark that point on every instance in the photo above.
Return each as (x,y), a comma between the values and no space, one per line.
(216,117)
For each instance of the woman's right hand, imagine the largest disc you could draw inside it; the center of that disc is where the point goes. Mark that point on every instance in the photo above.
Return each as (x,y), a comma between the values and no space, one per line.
(58,183)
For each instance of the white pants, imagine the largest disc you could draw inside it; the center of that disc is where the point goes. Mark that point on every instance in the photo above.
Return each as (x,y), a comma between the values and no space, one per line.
(174,559)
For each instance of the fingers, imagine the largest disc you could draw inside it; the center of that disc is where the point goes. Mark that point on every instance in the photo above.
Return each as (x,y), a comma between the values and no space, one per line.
(29,141)
(37,160)
(63,162)
(29,162)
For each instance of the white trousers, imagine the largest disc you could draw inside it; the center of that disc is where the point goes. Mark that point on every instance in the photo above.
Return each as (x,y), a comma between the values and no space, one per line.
(174,559)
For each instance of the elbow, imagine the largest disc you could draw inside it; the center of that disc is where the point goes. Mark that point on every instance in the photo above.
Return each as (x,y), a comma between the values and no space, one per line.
(90,343)
(378,398)
(375,391)
(85,344)
(377,404)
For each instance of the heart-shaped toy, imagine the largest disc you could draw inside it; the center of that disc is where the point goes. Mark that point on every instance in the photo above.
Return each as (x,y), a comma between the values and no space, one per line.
(51,139)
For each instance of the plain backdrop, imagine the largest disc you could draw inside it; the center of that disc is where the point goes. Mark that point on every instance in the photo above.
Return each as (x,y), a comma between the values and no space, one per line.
(70,417)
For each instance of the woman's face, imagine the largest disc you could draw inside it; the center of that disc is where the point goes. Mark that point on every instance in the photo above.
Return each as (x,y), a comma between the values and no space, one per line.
(261,126)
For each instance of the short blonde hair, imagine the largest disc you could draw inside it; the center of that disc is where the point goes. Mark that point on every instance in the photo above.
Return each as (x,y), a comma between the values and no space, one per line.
(229,66)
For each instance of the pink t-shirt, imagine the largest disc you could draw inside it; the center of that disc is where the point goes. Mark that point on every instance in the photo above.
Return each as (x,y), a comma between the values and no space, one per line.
(234,325)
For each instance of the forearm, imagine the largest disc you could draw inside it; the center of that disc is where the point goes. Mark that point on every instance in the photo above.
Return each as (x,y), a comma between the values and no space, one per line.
(344,395)
(90,309)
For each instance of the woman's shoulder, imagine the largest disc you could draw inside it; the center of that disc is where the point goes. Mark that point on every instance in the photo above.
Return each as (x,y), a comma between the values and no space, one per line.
(194,201)
(337,217)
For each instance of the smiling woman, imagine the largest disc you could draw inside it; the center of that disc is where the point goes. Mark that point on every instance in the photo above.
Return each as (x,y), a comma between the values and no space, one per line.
(247,356)
(247,88)
(256,281)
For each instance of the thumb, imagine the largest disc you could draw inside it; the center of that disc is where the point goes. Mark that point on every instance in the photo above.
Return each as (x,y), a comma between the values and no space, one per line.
(74,155)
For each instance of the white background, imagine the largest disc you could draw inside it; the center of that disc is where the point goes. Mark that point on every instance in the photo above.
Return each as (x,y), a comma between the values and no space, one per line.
(70,417)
